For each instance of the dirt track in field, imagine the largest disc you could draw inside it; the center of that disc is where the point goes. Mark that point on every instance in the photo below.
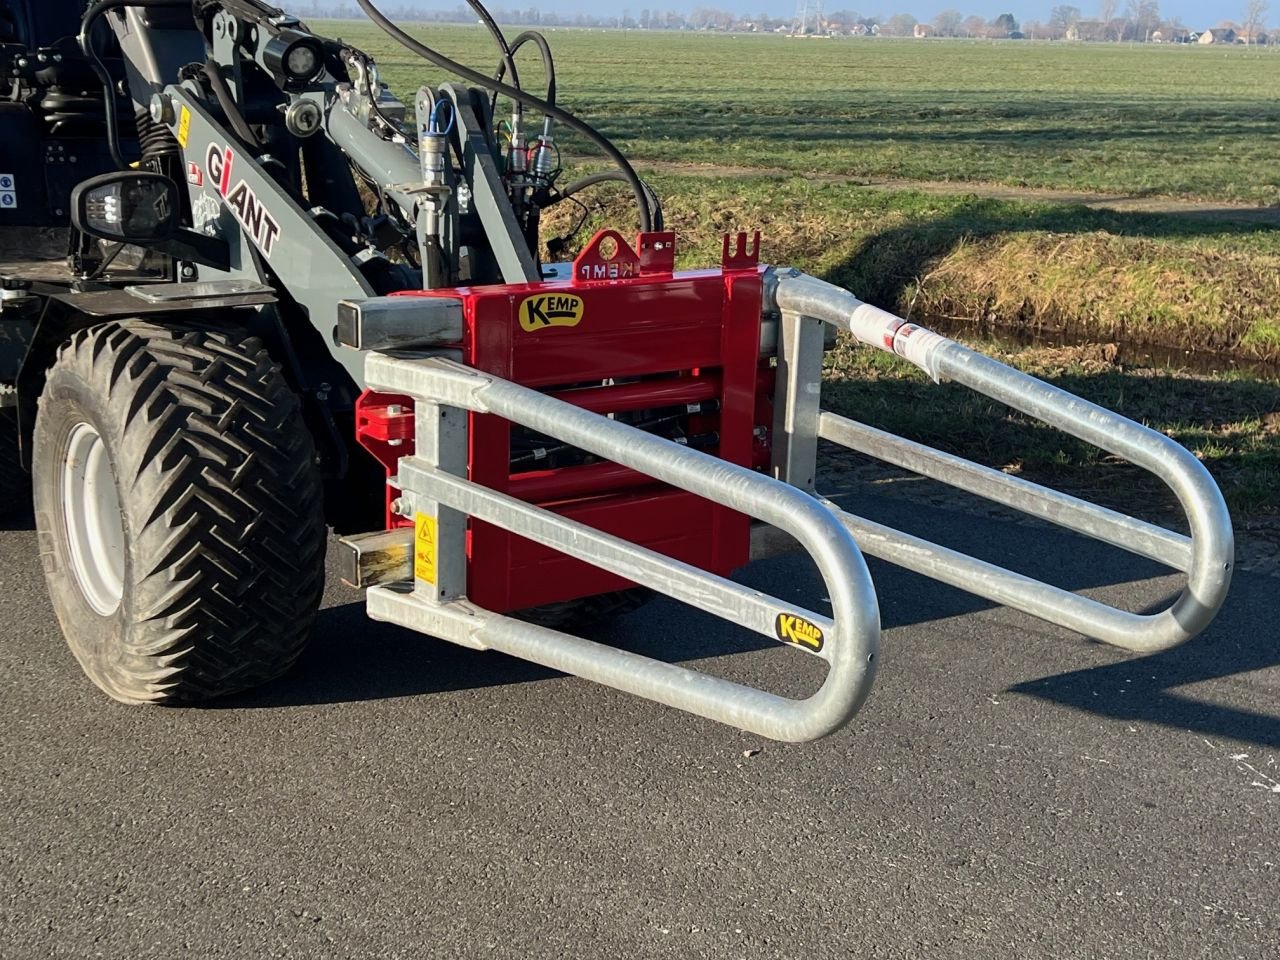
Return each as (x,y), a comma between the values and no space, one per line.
(1209,209)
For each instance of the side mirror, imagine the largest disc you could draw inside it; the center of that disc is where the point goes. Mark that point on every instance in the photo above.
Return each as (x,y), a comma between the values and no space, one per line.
(134,206)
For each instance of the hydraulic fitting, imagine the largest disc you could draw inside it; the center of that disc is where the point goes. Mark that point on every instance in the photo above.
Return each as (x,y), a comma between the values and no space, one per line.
(544,157)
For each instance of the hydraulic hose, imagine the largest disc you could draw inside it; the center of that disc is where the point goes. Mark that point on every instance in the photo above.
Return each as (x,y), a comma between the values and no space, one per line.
(91,54)
(218,84)
(508,52)
(568,119)
(548,63)
(605,176)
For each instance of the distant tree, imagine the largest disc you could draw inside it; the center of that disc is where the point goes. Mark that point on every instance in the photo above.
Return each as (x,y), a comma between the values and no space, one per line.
(843,19)
(711,18)
(1107,13)
(1253,14)
(1144,15)
(1062,19)
(974,27)
(899,25)
(1004,25)
(947,23)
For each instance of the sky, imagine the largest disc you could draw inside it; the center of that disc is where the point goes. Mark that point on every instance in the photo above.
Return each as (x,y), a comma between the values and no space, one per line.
(1196,14)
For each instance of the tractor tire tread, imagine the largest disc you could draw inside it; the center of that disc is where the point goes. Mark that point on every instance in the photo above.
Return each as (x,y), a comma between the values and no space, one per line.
(218,482)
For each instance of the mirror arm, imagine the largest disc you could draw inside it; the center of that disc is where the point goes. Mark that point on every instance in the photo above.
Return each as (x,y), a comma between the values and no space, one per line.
(82,253)
(186,244)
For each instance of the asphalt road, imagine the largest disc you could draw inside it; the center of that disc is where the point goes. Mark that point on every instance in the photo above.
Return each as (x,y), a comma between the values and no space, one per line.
(1010,790)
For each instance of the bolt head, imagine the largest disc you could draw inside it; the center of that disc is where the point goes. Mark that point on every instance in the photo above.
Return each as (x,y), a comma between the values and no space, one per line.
(161,108)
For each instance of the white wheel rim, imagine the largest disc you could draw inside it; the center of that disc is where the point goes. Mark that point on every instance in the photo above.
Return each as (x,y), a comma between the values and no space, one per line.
(95,531)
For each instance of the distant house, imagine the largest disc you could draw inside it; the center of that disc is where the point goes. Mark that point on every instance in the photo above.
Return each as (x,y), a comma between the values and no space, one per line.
(1257,39)
(922,30)
(1218,35)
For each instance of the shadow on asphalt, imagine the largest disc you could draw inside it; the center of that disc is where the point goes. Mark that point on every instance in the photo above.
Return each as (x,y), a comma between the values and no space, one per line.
(1241,640)
(353,658)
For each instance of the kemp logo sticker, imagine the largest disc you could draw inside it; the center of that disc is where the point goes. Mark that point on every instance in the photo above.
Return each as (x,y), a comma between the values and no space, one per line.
(798,630)
(550,310)
(263,228)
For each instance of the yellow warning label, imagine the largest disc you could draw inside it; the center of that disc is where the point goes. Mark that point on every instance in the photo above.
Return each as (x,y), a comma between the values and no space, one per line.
(550,310)
(424,547)
(798,630)
(184,127)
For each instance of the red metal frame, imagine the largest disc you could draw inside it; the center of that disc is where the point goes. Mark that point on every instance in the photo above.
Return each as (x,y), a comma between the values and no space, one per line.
(675,338)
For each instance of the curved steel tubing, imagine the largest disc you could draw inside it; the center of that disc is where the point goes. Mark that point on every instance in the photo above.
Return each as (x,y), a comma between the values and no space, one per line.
(853,642)
(1206,558)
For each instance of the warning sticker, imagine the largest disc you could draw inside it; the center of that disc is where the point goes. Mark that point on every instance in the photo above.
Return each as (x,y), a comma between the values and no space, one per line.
(184,127)
(424,547)
(8,192)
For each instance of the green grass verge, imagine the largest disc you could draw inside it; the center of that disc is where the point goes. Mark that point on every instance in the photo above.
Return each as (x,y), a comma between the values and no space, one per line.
(1184,282)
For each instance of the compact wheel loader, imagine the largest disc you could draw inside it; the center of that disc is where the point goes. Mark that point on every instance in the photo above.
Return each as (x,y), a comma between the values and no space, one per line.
(248,294)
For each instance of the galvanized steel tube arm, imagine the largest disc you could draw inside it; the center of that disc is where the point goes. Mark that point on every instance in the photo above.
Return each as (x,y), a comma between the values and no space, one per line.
(1212,540)
(1212,545)
(851,648)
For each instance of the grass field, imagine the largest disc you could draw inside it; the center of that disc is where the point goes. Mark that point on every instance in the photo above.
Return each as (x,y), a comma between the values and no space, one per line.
(1142,121)
(1132,120)
(1168,120)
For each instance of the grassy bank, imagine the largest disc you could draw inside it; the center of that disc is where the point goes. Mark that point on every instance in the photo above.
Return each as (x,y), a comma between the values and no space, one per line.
(1184,282)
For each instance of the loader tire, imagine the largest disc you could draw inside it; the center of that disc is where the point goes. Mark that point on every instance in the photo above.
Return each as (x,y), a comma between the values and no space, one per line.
(15,482)
(179,510)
